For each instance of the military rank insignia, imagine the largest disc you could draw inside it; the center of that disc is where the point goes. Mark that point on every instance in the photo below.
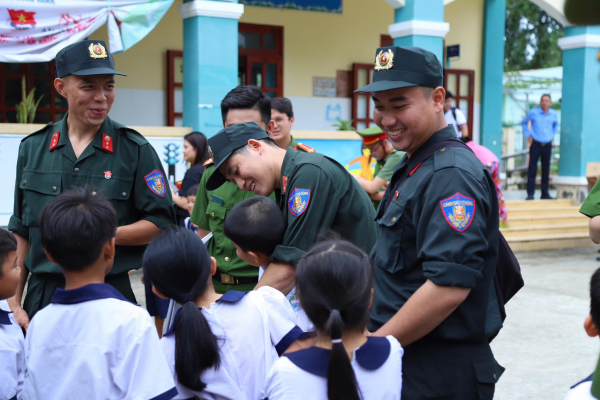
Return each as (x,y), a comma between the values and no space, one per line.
(284,181)
(458,211)
(54,141)
(107,143)
(298,201)
(156,182)
(384,60)
(97,51)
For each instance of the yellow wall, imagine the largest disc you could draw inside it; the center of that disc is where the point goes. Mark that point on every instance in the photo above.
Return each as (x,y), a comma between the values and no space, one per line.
(315,44)
(466,28)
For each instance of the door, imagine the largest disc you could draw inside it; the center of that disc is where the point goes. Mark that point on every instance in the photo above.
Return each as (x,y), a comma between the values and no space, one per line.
(461,82)
(266,73)
(260,58)
(362,104)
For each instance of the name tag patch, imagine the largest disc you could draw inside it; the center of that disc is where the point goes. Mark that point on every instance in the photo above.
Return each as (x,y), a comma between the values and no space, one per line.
(458,211)
(298,201)
(215,199)
(156,182)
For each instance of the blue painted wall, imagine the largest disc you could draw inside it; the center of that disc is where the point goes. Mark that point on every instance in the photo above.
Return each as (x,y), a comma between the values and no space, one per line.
(422,10)
(343,151)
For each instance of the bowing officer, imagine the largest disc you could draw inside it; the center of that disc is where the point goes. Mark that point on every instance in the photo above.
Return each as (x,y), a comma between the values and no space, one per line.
(86,148)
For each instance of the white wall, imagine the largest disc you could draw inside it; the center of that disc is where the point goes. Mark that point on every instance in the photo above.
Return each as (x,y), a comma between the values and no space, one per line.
(139,107)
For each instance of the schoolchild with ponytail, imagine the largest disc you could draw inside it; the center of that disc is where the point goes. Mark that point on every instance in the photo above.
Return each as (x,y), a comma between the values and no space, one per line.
(220,346)
(334,282)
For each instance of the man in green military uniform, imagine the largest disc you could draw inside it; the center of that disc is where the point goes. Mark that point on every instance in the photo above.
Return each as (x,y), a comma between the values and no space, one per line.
(282,115)
(314,192)
(387,158)
(86,148)
(242,104)
(437,250)
(591,208)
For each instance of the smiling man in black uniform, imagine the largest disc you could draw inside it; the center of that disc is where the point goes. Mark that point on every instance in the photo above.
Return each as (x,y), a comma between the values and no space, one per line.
(437,250)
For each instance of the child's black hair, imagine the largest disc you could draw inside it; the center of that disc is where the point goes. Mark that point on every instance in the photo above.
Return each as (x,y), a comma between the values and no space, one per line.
(75,226)
(334,280)
(8,243)
(247,98)
(283,105)
(178,265)
(193,191)
(256,224)
(595,298)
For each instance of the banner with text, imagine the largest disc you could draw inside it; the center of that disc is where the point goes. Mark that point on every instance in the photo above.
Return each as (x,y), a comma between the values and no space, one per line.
(35,30)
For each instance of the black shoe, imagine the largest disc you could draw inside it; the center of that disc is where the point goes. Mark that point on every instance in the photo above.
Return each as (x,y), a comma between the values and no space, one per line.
(529,198)
(547,197)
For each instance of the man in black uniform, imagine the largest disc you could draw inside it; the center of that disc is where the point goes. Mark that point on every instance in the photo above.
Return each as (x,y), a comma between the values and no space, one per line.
(437,250)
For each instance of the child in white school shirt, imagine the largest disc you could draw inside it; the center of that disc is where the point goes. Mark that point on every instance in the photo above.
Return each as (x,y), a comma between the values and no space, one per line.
(220,346)
(90,342)
(334,281)
(256,226)
(12,342)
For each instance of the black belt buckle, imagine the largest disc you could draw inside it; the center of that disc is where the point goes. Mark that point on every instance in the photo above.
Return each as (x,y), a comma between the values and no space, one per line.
(543,144)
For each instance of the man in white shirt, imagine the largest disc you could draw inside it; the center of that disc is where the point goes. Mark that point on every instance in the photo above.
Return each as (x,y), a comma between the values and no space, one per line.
(455,117)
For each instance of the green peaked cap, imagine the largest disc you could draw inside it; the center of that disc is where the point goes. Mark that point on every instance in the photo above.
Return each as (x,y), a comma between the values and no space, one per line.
(374,130)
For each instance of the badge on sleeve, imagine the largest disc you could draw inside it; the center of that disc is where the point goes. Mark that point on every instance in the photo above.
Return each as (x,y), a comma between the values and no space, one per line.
(156,182)
(298,201)
(458,211)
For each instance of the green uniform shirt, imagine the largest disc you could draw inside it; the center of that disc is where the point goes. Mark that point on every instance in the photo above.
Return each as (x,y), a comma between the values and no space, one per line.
(591,205)
(441,225)
(384,169)
(318,194)
(210,210)
(116,168)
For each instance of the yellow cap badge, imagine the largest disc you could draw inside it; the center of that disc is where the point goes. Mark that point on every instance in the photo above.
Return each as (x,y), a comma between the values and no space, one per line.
(97,51)
(384,60)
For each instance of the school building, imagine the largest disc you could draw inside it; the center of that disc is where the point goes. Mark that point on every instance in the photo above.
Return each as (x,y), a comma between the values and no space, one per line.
(317,52)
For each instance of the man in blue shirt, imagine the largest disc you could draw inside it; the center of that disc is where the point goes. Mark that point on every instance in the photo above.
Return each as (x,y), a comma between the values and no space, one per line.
(544,124)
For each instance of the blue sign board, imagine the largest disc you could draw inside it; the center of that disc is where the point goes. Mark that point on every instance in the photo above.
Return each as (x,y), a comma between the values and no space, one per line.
(453,51)
(328,6)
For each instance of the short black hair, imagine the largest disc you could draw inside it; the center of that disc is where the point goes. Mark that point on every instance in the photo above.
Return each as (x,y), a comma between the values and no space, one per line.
(283,105)
(256,224)
(247,98)
(75,227)
(546,95)
(8,243)
(193,191)
(449,95)
(595,297)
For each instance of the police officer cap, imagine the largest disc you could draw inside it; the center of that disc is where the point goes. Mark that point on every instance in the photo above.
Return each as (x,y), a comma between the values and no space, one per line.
(226,142)
(88,57)
(400,67)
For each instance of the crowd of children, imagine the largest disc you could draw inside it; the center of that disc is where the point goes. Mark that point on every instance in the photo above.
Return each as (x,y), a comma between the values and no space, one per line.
(91,343)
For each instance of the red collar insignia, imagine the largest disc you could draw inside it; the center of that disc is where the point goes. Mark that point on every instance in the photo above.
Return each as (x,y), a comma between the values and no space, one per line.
(107,143)
(54,141)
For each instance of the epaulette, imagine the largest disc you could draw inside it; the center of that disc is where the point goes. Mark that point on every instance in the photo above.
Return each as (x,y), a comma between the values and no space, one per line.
(208,162)
(133,135)
(306,148)
(443,158)
(42,130)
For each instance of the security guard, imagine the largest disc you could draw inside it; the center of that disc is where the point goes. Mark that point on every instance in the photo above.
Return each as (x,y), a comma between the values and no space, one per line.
(86,148)
(387,158)
(314,192)
(437,250)
(282,115)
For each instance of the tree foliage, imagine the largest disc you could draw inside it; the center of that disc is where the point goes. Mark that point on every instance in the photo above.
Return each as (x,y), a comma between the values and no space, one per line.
(531,37)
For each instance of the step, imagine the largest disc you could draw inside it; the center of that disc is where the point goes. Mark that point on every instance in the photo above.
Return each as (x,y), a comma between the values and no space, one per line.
(518,204)
(545,230)
(543,211)
(549,242)
(536,220)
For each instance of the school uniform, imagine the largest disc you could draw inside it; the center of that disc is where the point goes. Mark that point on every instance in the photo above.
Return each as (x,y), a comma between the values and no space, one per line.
(301,318)
(12,355)
(91,343)
(253,329)
(302,375)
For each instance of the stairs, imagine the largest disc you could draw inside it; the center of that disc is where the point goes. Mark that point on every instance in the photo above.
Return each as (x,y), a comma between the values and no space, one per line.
(545,224)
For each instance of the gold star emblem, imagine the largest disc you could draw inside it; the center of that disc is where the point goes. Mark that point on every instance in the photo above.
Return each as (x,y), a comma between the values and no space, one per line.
(22,18)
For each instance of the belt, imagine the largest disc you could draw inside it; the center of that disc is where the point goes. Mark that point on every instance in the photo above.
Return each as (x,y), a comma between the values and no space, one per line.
(233,280)
(542,144)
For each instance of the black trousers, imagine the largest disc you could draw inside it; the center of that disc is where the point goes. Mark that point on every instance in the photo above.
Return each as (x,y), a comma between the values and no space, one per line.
(535,152)
(444,369)
(41,288)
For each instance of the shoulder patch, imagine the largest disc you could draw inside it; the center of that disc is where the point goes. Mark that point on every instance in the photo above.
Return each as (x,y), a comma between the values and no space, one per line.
(459,211)
(298,201)
(306,148)
(208,162)
(156,183)
(133,135)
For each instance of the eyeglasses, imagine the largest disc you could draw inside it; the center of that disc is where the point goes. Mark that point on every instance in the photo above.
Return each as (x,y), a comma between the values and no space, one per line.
(280,120)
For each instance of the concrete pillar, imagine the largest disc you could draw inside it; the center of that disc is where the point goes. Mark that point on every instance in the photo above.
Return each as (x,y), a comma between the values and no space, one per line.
(420,23)
(210,60)
(492,70)
(579,135)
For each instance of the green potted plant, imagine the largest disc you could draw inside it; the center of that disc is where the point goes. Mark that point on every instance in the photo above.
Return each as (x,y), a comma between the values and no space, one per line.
(344,125)
(27,107)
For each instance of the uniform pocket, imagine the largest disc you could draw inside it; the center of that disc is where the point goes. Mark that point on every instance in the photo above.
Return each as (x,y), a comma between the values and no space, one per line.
(38,190)
(487,372)
(387,248)
(216,216)
(118,191)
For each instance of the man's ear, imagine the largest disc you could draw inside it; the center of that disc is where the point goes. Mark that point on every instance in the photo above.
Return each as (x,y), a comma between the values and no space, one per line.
(60,84)
(50,257)
(255,257)
(292,120)
(255,145)
(271,127)
(213,265)
(590,328)
(439,98)
(109,249)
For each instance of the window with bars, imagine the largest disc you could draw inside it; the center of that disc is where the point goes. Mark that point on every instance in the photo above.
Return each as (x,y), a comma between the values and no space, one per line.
(40,76)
